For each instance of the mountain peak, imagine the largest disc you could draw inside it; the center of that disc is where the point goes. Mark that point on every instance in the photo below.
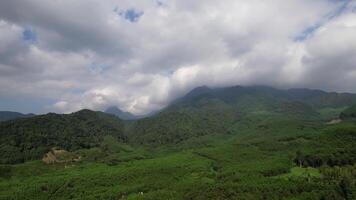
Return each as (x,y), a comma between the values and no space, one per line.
(121,114)
(199,90)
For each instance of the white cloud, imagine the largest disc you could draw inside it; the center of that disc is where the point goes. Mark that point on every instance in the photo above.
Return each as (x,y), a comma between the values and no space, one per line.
(88,56)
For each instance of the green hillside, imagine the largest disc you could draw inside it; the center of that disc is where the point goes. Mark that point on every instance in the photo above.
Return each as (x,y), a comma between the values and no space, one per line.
(29,138)
(206,111)
(178,123)
(349,113)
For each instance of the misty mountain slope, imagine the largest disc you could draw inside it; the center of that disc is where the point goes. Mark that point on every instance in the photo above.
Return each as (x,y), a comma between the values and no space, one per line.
(314,98)
(201,112)
(127,115)
(121,114)
(206,111)
(179,123)
(29,138)
(320,99)
(8,115)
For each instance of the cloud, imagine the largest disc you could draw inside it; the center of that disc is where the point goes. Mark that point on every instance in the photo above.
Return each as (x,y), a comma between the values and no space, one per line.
(140,55)
(329,59)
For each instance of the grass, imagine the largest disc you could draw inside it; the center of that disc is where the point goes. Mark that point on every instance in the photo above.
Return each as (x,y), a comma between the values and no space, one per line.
(300,172)
(329,113)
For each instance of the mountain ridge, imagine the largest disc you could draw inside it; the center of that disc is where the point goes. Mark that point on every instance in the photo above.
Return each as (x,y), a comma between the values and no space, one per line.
(113,110)
(204,111)
(9,115)
(119,113)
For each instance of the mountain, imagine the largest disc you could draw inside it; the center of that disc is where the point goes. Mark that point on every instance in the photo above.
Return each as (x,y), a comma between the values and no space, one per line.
(322,99)
(204,111)
(8,115)
(121,114)
(29,138)
(314,98)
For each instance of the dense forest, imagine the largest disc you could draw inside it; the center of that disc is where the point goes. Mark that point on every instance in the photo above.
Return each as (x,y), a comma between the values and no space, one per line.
(30,138)
(226,143)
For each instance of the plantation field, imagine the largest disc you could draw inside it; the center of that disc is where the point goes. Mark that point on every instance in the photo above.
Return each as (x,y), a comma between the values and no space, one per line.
(252,163)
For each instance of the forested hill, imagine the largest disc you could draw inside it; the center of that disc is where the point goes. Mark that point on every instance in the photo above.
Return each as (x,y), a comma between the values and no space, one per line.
(206,111)
(311,97)
(203,111)
(8,115)
(29,138)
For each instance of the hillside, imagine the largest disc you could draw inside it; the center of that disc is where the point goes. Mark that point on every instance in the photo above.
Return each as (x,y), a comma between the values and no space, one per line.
(202,112)
(349,113)
(205,111)
(178,123)
(29,138)
(8,115)
(314,98)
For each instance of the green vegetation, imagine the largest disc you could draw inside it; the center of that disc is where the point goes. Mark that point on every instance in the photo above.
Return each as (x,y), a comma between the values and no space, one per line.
(231,143)
(331,113)
(349,113)
(30,138)
(205,111)
(301,172)
(337,149)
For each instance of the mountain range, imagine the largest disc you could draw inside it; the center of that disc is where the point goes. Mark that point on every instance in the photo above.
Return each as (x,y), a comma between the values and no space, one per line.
(200,112)
(240,142)
(8,115)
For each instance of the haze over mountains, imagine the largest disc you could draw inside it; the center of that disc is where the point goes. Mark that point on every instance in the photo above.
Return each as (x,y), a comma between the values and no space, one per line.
(8,115)
(121,114)
(126,115)
(311,96)
(202,111)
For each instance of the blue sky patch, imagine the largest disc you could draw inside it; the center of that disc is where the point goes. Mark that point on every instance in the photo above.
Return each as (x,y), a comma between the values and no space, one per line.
(131,14)
(311,29)
(29,35)
(97,68)
(159,3)
(308,31)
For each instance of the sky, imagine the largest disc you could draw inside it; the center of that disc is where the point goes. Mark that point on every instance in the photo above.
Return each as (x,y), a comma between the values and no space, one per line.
(63,55)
